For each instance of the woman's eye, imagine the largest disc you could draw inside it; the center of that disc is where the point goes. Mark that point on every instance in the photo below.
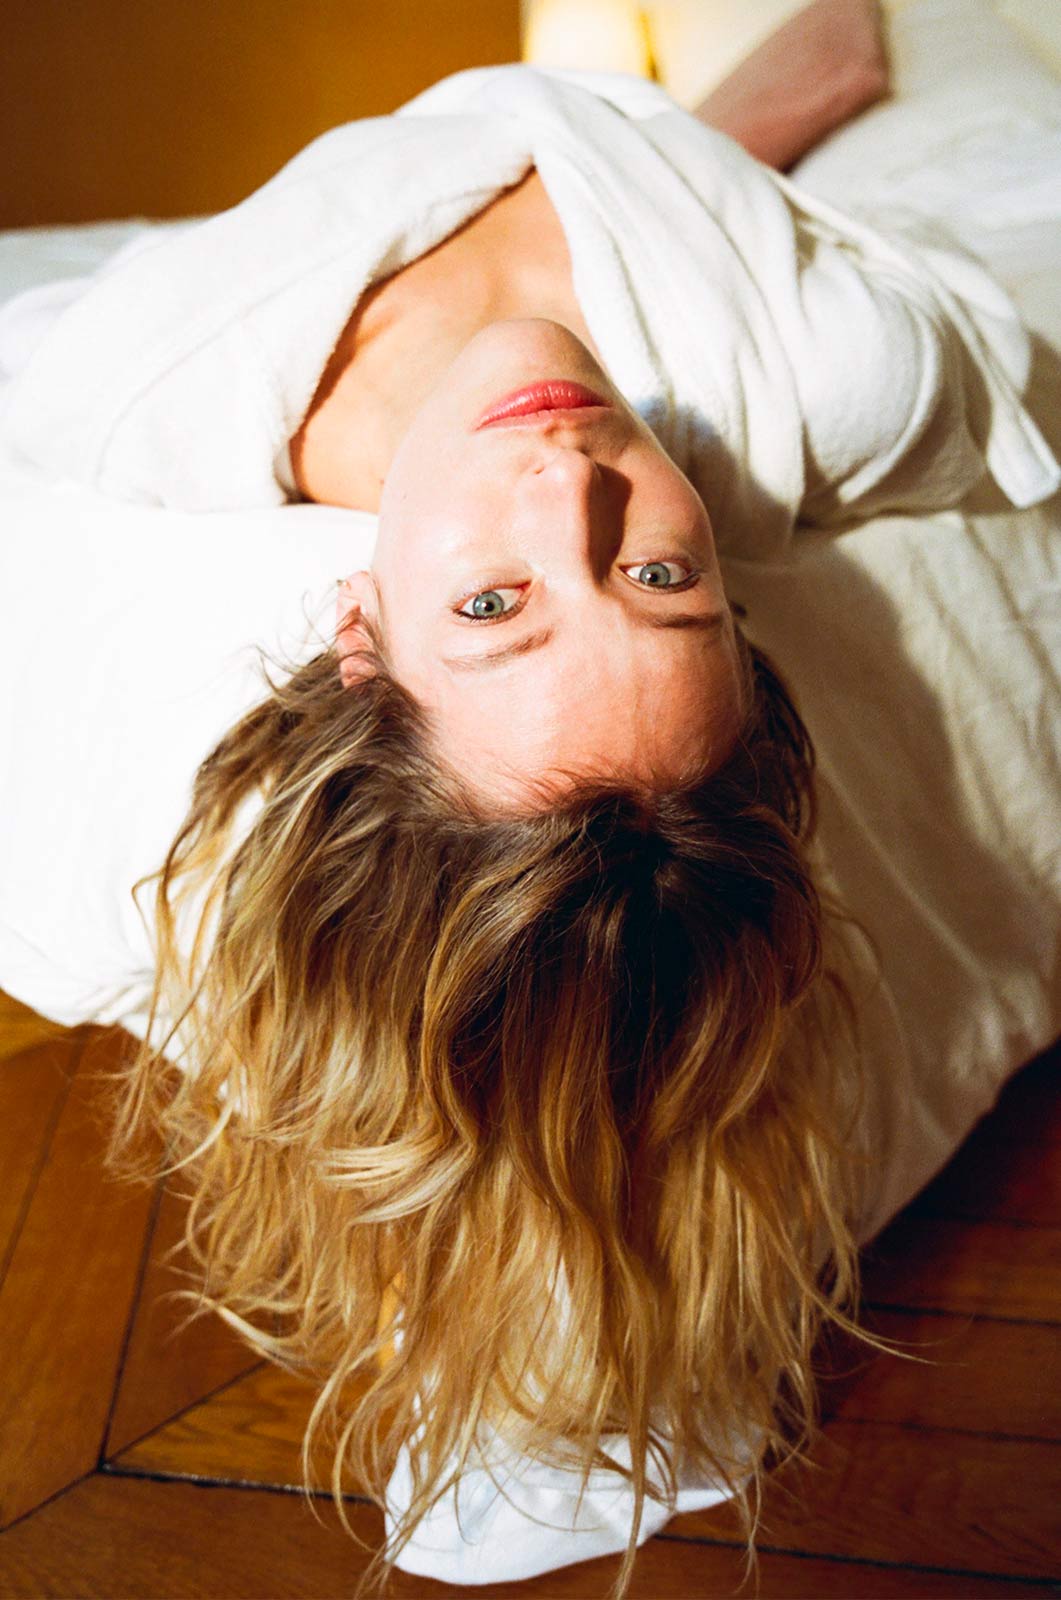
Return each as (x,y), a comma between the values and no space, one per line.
(659,574)
(489,604)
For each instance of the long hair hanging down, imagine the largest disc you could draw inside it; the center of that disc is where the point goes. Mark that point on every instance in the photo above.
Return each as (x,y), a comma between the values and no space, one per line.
(585,1075)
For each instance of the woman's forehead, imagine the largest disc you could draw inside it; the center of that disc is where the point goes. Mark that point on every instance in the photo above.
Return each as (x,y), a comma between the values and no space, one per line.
(597,715)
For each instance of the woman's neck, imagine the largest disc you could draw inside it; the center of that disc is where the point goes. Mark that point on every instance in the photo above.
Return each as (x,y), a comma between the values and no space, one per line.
(511,260)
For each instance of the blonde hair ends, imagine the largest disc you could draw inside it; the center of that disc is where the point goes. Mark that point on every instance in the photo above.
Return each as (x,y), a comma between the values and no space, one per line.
(585,1075)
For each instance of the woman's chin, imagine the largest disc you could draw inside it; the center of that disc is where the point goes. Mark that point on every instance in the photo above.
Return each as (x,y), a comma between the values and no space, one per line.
(536,340)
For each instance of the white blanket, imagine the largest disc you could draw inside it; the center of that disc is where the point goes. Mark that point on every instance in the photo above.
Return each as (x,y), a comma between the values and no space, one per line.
(925,652)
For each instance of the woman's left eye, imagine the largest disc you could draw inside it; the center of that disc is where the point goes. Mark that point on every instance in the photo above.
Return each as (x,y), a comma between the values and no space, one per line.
(660,574)
(489,605)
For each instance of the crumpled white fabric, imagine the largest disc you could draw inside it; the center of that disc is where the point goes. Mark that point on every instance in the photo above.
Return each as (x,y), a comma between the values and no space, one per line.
(727,306)
(510,1516)
(516,1518)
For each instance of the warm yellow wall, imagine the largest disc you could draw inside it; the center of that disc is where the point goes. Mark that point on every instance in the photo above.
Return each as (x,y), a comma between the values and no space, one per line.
(114,108)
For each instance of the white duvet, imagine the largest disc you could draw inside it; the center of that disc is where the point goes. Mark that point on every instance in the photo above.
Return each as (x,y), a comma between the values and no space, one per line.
(925,652)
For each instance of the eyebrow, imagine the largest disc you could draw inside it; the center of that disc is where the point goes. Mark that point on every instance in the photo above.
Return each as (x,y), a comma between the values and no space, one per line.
(709,622)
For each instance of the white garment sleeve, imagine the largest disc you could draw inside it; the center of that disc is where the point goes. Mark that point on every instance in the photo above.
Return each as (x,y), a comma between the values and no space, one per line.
(910,361)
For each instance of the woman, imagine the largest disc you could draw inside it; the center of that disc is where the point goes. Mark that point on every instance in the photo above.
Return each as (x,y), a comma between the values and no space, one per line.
(520,1052)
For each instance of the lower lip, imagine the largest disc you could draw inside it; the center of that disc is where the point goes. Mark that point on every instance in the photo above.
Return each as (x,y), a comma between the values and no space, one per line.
(540,401)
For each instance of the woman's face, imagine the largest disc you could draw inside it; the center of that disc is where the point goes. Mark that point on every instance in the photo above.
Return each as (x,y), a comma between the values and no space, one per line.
(547,587)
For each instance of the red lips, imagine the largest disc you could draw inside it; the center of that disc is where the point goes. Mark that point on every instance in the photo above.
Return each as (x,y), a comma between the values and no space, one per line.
(557,394)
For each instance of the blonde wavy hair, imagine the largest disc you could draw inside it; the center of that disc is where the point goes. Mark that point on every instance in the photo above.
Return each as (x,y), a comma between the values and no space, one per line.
(535,1124)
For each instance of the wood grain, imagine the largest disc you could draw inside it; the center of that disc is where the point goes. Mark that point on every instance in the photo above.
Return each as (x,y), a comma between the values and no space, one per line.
(974,1376)
(22,1029)
(971,1374)
(121,1538)
(998,1269)
(67,1291)
(170,1363)
(33,1085)
(249,1432)
(875,1492)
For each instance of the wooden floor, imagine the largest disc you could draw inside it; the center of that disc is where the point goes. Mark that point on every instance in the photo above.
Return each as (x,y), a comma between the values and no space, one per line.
(140,1460)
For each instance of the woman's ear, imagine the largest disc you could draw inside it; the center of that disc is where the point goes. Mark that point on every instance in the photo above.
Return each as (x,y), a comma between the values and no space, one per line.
(356,599)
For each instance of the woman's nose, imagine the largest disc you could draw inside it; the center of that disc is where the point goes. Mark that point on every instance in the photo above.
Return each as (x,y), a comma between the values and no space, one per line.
(571,495)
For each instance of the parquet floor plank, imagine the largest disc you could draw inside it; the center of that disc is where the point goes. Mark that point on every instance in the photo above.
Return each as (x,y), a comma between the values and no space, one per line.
(249,1432)
(116,1538)
(33,1083)
(170,1363)
(996,1269)
(971,1374)
(68,1292)
(923,1497)
(22,1029)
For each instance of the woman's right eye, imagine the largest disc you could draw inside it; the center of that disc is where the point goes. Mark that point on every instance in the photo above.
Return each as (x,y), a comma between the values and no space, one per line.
(489,605)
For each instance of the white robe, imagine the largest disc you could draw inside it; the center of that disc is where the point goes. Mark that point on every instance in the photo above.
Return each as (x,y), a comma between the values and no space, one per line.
(798,368)
(793,361)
